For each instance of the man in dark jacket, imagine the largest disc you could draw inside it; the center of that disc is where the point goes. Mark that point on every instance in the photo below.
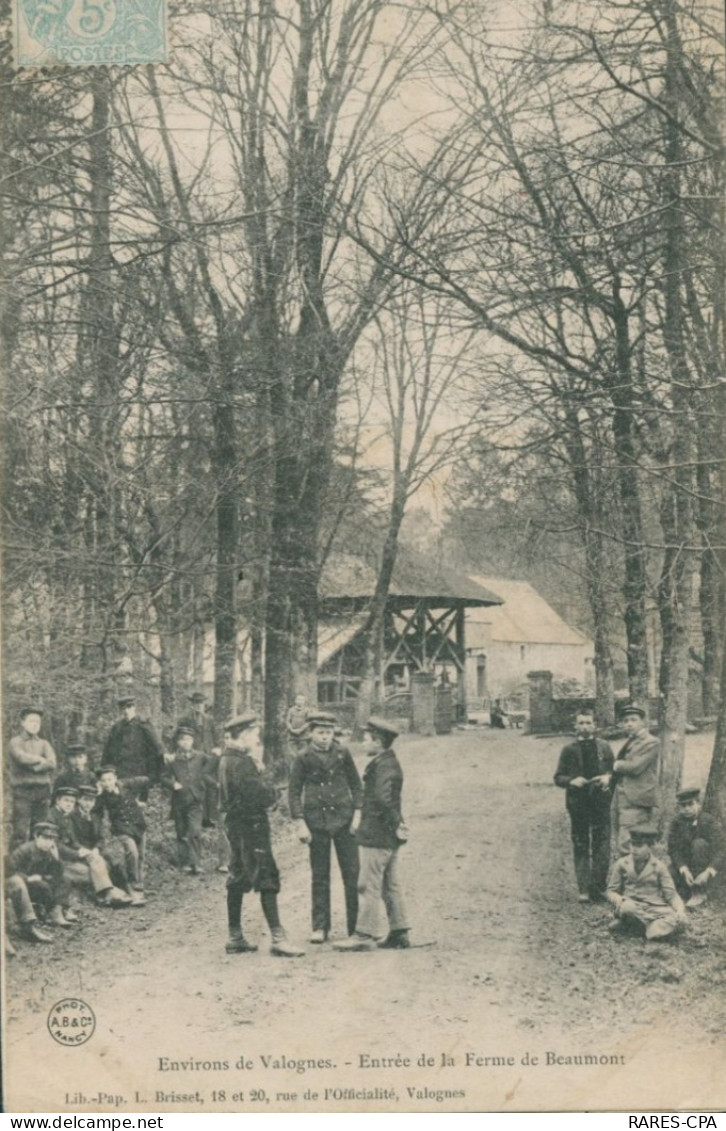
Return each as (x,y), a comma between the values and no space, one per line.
(245,794)
(187,776)
(117,806)
(584,771)
(325,800)
(133,748)
(695,848)
(380,835)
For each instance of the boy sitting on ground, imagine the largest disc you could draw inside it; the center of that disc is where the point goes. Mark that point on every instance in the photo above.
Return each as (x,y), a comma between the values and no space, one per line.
(36,886)
(694,846)
(82,865)
(87,829)
(642,892)
(126,823)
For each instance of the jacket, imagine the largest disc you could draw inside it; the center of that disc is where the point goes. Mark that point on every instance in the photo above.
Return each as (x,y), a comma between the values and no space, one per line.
(245,792)
(27,860)
(325,787)
(637,782)
(134,750)
(382,788)
(682,834)
(26,751)
(651,887)
(572,765)
(193,774)
(68,844)
(126,817)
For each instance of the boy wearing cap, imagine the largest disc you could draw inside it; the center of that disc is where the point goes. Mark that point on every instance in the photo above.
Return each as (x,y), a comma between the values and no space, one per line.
(77,773)
(80,864)
(694,846)
(325,800)
(245,794)
(205,740)
(32,763)
(86,827)
(134,750)
(380,835)
(584,771)
(187,777)
(642,892)
(635,779)
(36,883)
(117,805)
(296,723)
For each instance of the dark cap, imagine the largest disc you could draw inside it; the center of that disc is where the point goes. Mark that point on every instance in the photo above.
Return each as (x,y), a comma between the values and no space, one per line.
(45,828)
(322,719)
(126,700)
(74,748)
(240,722)
(180,730)
(197,697)
(87,791)
(643,834)
(691,794)
(634,709)
(65,791)
(105,770)
(31,711)
(377,722)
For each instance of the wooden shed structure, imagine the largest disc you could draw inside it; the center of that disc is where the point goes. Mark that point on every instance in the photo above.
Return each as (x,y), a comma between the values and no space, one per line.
(424,626)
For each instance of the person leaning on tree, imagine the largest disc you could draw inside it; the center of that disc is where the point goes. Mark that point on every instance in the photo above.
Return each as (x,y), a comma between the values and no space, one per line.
(584,771)
(695,848)
(32,764)
(635,779)
(246,793)
(381,834)
(325,801)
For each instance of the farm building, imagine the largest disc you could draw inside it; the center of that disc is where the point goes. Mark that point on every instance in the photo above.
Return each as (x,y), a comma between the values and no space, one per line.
(504,642)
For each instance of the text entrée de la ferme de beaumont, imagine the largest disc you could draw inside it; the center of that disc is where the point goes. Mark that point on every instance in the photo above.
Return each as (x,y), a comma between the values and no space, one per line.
(239,1081)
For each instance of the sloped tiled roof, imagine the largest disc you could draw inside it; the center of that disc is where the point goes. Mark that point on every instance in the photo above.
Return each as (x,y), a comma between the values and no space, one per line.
(524,618)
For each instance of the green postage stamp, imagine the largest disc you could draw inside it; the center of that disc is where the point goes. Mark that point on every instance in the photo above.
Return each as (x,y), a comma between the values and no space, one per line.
(83,33)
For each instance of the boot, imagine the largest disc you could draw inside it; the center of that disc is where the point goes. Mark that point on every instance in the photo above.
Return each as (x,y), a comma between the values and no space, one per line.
(138,899)
(58,919)
(318,936)
(238,944)
(356,942)
(34,933)
(69,915)
(282,947)
(396,940)
(10,950)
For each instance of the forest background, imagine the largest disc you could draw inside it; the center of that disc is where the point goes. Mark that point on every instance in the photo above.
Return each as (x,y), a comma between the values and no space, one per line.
(347,269)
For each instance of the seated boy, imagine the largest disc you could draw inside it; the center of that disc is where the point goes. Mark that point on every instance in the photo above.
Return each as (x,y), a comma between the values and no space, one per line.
(36,885)
(81,865)
(126,822)
(87,828)
(642,892)
(694,848)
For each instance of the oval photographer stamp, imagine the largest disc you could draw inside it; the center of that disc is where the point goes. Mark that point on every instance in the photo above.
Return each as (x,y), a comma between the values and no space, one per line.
(71,1021)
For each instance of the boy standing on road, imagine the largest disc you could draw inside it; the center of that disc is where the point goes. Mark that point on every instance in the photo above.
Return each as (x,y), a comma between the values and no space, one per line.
(245,794)
(380,836)
(584,771)
(642,892)
(187,777)
(325,801)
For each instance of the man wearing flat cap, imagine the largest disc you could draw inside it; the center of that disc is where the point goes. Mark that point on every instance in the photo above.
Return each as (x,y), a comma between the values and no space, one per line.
(32,764)
(325,801)
(695,848)
(76,773)
(635,778)
(246,792)
(380,835)
(642,893)
(134,749)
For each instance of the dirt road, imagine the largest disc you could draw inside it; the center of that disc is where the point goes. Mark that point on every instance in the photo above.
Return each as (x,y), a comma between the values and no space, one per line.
(515,968)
